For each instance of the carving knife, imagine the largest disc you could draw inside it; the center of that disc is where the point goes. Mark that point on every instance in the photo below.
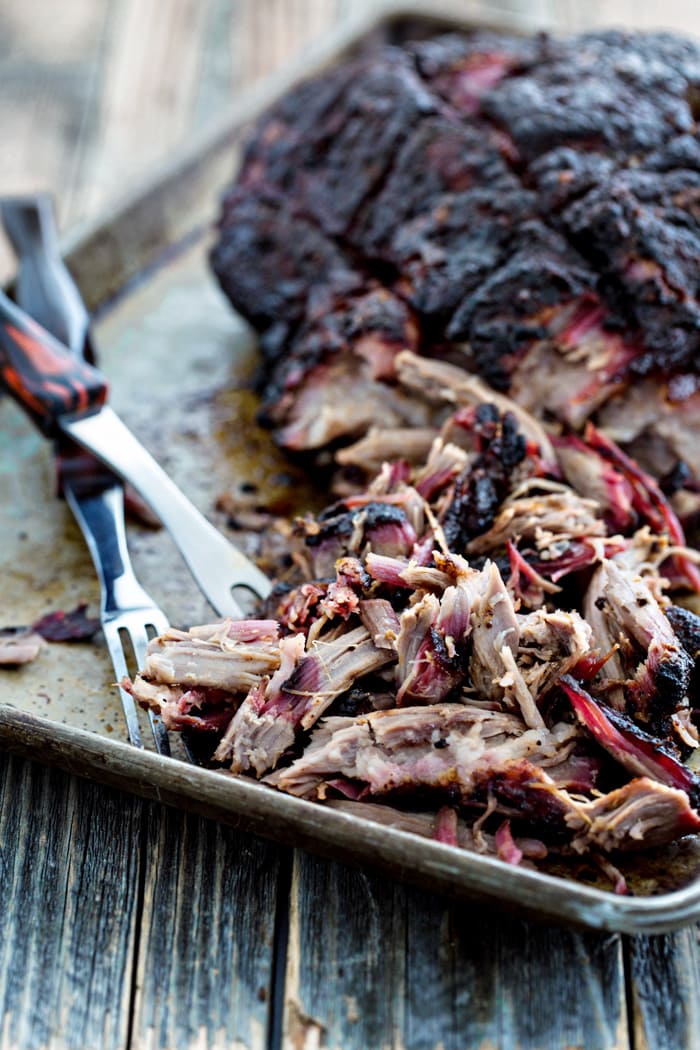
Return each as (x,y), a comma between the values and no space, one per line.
(65,395)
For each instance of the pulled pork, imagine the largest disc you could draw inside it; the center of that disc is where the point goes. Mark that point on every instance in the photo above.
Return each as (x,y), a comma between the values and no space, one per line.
(489,633)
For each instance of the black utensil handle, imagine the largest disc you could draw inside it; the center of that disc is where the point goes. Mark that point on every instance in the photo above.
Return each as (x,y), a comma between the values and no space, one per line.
(46,380)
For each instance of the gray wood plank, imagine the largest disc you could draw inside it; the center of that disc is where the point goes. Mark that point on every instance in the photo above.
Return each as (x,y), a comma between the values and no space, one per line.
(69,867)
(207,931)
(664,980)
(49,75)
(373,964)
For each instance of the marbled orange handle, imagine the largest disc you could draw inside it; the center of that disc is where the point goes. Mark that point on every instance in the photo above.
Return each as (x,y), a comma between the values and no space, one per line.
(40,373)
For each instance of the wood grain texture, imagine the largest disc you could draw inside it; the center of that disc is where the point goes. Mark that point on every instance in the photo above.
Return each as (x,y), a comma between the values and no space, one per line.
(102,92)
(373,964)
(50,73)
(147,82)
(664,980)
(682,16)
(69,860)
(206,946)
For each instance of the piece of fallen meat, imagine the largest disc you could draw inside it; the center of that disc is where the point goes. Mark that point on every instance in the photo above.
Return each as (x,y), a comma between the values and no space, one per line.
(19,646)
(618,880)
(73,626)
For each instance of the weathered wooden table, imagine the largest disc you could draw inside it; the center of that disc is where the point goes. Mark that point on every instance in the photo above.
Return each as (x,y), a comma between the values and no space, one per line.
(127,924)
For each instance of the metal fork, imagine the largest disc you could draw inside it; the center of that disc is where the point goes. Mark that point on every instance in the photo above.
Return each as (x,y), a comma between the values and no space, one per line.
(126,610)
(96,496)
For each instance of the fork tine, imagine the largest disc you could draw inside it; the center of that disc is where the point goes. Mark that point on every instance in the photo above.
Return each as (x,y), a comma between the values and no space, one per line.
(139,641)
(158,623)
(119,663)
(125,605)
(160,734)
(190,753)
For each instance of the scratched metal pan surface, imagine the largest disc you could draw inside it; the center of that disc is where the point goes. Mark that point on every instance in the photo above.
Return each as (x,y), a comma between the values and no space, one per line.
(179,361)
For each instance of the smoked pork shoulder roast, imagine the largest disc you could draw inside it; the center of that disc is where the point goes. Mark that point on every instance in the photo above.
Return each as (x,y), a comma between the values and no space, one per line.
(528,208)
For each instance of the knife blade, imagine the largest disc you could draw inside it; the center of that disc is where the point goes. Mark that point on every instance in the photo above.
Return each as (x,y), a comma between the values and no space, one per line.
(65,395)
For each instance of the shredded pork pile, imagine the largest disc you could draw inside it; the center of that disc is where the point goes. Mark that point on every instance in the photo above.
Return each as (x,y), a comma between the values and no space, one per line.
(489,634)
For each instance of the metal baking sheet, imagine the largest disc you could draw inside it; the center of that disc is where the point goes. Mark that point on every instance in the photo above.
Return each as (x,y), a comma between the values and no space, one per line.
(179,362)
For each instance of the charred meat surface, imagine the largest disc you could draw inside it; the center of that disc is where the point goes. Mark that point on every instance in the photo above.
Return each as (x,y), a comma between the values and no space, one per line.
(480,488)
(528,208)
(269,256)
